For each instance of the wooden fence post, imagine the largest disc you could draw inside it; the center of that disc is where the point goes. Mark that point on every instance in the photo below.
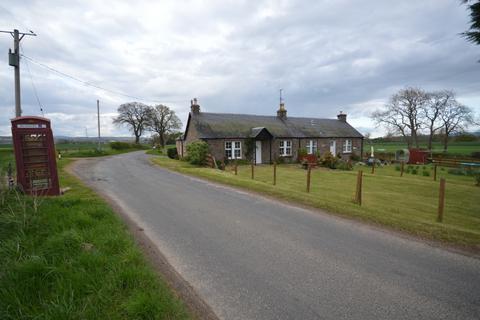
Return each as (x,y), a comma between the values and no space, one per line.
(358,193)
(236,168)
(441,200)
(373,166)
(309,170)
(435,172)
(253,174)
(401,171)
(274,173)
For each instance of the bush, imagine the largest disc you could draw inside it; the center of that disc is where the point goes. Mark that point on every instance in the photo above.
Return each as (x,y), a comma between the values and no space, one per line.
(414,171)
(328,160)
(197,152)
(426,173)
(118,145)
(476,154)
(172,153)
(302,152)
(476,176)
(397,168)
(354,157)
(344,165)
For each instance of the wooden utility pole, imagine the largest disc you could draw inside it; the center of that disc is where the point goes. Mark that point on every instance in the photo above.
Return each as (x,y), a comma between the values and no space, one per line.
(14,61)
(434,172)
(98,120)
(253,174)
(401,170)
(441,200)
(236,167)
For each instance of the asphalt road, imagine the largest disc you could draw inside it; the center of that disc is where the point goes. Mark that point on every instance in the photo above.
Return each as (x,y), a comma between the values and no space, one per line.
(252,258)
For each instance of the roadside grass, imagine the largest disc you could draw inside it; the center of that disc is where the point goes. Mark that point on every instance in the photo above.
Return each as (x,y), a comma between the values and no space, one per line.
(72,258)
(454,148)
(160,151)
(407,203)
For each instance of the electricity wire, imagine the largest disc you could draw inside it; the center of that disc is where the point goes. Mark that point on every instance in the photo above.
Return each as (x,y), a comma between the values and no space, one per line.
(33,84)
(85,83)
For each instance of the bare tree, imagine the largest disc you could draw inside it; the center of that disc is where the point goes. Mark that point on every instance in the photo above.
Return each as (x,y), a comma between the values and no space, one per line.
(432,111)
(402,114)
(163,121)
(454,117)
(136,116)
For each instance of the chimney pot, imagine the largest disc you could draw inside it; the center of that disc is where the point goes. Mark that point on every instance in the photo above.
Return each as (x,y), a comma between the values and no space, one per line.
(342,116)
(195,107)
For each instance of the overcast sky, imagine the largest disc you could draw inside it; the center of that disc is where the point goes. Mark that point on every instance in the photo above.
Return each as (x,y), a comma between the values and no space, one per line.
(234,56)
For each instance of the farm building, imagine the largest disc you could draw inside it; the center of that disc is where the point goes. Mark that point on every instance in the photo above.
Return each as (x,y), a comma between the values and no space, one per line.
(270,138)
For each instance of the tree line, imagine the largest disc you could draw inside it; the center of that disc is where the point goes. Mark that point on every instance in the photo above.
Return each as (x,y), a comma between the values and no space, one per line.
(139,118)
(414,111)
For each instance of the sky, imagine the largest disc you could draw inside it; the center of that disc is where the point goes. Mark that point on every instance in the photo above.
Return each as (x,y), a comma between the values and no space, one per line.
(234,56)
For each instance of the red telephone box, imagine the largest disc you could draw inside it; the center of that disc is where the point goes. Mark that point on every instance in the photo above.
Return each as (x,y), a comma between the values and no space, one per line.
(35,155)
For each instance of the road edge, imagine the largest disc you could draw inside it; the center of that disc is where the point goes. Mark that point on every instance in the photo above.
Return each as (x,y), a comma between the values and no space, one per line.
(198,308)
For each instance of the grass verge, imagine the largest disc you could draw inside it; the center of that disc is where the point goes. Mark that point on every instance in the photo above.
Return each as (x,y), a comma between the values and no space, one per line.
(70,257)
(407,203)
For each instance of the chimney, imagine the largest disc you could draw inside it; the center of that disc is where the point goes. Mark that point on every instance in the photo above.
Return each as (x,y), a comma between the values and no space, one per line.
(282,112)
(342,117)
(194,106)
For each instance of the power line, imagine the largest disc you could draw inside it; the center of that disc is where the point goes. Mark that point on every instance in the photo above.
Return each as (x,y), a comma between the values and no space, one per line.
(86,83)
(33,83)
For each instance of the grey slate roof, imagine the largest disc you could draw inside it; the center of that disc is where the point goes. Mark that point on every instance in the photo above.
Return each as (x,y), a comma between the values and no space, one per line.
(225,125)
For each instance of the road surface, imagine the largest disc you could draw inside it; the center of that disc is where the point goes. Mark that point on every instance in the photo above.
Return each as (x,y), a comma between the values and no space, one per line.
(249,257)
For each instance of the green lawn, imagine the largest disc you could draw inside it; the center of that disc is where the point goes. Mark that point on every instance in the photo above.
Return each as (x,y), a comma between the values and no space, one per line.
(454,148)
(72,258)
(406,203)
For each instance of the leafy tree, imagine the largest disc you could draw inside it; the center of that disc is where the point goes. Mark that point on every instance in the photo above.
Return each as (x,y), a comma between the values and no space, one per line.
(163,121)
(473,35)
(401,114)
(136,116)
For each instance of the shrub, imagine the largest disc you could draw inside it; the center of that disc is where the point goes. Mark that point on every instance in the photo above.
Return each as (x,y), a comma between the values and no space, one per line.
(354,157)
(118,145)
(328,160)
(302,152)
(476,176)
(197,152)
(397,168)
(344,165)
(426,173)
(414,171)
(476,154)
(172,153)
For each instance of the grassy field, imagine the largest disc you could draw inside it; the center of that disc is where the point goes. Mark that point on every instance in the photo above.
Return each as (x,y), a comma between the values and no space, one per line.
(83,150)
(407,203)
(72,258)
(454,148)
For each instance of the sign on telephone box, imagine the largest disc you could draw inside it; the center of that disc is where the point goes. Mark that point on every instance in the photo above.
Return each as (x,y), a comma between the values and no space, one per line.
(35,155)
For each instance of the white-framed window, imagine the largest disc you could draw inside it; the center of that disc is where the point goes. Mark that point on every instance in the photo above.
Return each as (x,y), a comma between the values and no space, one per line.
(347,146)
(233,150)
(285,148)
(312,146)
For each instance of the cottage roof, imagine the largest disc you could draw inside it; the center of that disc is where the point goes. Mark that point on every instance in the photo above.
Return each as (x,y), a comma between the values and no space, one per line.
(225,125)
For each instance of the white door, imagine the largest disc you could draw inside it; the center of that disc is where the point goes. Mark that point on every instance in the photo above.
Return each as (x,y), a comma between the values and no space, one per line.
(258,151)
(333,147)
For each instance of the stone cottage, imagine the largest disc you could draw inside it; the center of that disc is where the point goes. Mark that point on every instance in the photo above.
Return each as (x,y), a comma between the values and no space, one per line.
(269,138)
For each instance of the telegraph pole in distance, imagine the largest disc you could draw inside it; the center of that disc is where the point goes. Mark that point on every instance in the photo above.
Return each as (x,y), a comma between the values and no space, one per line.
(98,119)
(14,61)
